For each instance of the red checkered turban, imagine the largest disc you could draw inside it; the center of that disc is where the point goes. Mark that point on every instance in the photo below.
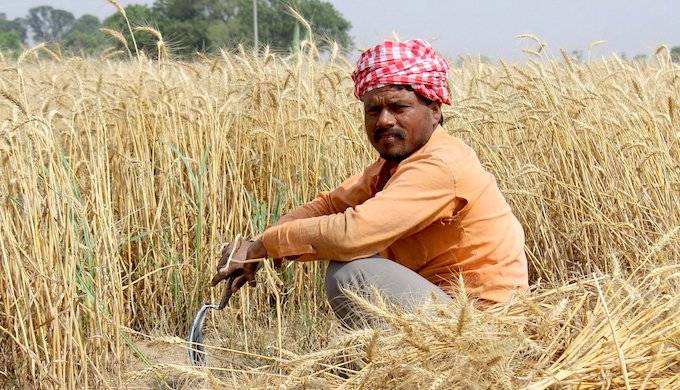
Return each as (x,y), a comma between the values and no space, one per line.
(413,63)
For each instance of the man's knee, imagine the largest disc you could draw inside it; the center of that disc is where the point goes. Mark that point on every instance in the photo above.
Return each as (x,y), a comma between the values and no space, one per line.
(339,275)
(389,278)
(342,276)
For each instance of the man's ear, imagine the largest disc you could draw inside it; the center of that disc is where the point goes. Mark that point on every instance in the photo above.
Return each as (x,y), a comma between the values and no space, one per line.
(436,113)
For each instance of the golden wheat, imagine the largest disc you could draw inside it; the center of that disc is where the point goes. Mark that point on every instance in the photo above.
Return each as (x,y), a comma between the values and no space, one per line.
(121,180)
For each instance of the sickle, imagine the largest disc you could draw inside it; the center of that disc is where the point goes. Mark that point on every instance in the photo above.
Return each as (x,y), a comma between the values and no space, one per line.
(195,338)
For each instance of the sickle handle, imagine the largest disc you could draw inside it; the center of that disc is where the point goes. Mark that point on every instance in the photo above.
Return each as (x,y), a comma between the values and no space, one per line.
(225,296)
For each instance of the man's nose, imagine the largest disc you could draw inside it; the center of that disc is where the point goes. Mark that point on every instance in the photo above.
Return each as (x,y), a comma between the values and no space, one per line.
(386,119)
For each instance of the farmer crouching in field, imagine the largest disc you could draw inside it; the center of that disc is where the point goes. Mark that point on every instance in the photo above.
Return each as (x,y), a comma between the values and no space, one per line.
(417,219)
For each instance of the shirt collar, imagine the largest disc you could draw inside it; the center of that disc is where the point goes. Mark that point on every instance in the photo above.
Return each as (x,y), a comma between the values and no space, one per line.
(437,134)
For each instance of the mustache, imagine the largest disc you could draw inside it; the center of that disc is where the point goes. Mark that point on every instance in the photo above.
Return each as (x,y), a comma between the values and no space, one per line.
(394,131)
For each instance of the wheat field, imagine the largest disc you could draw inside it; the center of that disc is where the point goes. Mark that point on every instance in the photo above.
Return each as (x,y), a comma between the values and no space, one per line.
(120,179)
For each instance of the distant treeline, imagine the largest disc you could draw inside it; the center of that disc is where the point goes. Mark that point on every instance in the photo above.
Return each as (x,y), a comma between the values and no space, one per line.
(187,26)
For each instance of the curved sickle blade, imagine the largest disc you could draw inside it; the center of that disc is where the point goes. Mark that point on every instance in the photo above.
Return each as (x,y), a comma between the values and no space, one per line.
(195,337)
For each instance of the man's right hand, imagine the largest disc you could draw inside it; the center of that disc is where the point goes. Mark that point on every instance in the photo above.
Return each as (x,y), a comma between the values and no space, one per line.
(238,272)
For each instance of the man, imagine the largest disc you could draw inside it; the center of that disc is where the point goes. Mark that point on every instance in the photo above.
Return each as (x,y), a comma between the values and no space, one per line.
(425,214)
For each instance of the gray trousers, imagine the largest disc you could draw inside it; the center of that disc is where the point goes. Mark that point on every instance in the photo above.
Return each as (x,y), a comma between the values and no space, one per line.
(397,284)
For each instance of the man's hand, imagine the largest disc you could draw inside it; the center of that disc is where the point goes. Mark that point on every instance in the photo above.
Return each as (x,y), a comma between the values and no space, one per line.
(239,271)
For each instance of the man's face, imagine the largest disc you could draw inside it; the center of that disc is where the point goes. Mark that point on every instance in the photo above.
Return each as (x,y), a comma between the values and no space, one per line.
(397,122)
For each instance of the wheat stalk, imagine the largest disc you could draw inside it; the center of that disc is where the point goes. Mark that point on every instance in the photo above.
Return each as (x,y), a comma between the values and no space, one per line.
(121,9)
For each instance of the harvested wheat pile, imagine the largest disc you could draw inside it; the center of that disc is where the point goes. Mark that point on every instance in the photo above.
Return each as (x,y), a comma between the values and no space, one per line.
(600,331)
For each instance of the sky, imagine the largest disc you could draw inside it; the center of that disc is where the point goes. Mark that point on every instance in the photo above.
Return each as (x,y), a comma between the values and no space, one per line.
(486,27)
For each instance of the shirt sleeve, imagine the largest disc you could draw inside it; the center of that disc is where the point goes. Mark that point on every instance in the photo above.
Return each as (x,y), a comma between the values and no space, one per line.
(419,193)
(351,192)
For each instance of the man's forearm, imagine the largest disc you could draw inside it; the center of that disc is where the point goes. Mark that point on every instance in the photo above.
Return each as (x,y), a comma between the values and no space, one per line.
(353,191)
(314,208)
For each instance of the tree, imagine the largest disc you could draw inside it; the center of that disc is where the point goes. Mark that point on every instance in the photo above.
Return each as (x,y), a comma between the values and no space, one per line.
(675,54)
(11,33)
(209,24)
(17,26)
(278,26)
(326,21)
(49,24)
(84,36)
(191,25)
(10,42)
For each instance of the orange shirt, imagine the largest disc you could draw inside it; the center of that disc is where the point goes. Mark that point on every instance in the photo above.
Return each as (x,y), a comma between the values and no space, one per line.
(440,213)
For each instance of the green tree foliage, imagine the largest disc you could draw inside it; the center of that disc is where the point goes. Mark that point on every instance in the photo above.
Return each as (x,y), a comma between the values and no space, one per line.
(17,26)
(49,24)
(10,42)
(208,24)
(326,21)
(12,34)
(187,25)
(84,36)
